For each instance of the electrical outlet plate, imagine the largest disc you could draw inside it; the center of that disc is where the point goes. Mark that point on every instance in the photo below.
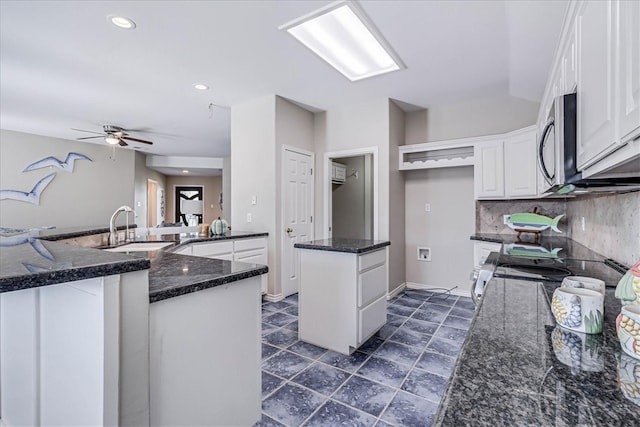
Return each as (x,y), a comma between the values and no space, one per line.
(248,217)
(505,218)
(427,207)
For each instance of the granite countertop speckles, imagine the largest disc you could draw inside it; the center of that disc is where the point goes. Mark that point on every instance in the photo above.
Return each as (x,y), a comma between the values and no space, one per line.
(35,263)
(33,259)
(355,246)
(515,367)
(172,275)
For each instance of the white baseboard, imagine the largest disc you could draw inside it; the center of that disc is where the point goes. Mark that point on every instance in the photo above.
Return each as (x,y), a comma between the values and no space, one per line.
(273,298)
(396,291)
(457,291)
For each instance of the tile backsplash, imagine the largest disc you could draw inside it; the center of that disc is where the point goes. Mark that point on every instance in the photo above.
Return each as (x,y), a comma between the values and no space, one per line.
(489,213)
(612,225)
(612,222)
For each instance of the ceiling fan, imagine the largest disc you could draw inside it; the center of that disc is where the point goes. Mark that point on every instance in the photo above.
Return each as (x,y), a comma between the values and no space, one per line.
(113,135)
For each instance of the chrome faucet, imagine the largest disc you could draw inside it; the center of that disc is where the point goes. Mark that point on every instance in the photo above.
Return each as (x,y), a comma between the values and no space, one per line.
(113,235)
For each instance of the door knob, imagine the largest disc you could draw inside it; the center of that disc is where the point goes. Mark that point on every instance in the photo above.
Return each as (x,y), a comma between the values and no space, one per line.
(289,230)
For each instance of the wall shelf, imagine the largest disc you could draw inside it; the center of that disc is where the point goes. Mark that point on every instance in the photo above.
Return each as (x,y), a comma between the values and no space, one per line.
(431,155)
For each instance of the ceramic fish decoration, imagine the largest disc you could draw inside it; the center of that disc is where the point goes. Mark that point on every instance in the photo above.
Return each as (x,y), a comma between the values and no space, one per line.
(531,251)
(628,289)
(67,165)
(532,222)
(33,196)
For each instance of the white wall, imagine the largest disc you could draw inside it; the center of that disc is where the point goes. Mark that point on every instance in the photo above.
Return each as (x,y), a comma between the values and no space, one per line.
(86,197)
(446,229)
(226,188)
(476,117)
(259,128)
(354,127)
(142,174)
(397,226)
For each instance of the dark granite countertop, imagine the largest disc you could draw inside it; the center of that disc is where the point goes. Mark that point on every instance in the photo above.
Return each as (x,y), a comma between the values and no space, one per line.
(354,246)
(32,259)
(517,367)
(28,262)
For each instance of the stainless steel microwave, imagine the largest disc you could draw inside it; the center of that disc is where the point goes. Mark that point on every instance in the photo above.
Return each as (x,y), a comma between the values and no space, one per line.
(557,158)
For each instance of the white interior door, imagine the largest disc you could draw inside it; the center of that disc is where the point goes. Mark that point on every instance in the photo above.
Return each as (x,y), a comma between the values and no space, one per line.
(297,224)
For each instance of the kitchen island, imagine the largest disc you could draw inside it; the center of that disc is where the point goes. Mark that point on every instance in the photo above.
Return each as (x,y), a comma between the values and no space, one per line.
(517,367)
(140,338)
(343,292)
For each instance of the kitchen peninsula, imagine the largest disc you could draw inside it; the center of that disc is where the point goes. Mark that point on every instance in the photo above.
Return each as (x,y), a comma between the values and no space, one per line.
(138,338)
(517,367)
(343,292)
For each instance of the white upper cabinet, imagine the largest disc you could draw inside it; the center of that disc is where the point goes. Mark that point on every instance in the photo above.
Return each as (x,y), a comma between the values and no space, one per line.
(596,58)
(570,64)
(628,105)
(488,170)
(520,167)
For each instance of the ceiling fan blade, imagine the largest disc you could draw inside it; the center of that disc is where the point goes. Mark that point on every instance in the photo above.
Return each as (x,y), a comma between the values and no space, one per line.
(128,138)
(122,143)
(88,131)
(90,137)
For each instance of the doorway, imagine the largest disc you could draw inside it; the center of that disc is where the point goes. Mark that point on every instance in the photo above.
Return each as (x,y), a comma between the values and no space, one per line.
(351,194)
(297,212)
(152,203)
(186,203)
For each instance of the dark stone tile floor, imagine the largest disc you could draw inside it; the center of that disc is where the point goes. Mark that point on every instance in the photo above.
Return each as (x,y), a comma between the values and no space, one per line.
(396,378)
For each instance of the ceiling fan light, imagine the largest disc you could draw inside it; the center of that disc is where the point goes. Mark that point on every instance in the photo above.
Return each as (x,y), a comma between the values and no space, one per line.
(112,139)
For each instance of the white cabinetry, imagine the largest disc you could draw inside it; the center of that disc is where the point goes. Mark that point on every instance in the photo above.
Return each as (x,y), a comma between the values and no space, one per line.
(505,167)
(252,250)
(596,44)
(520,167)
(628,60)
(205,357)
(342,298)
(481,251)
(338,173)
(488,172)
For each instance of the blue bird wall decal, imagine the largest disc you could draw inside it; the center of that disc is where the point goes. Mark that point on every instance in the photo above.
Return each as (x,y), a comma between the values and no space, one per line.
(33,196)
(67,165)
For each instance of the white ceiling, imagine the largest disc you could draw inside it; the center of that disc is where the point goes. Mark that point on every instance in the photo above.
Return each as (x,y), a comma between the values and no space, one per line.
(63,65)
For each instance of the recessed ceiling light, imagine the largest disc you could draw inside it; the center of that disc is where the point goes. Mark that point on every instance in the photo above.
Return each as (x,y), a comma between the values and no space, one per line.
(185,171)
(201,86)
(342,35)
(122,22)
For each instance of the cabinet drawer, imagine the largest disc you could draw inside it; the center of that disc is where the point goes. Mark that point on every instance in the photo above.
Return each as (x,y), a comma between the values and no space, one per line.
(372,285)
(371,259)
(249,244)
(256,257)
(371,318)
(211,249)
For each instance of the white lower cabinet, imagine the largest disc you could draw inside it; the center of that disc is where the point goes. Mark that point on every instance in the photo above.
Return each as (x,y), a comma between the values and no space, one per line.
(252,250)
(342,297)
(205,357)
(481,251)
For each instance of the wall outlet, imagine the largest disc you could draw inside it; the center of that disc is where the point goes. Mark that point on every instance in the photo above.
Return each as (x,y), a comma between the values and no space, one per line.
(254,200)
(582,224)
(424,253)
(427,207)
(248,217)
(505,218)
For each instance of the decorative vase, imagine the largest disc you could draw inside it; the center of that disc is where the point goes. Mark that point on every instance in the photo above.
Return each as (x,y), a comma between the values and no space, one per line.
(219,227)
(628,289)
(578,309)
(584,282)
(628,329)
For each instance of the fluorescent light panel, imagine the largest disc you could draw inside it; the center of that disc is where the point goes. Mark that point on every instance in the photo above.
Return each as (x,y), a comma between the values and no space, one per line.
(340,36)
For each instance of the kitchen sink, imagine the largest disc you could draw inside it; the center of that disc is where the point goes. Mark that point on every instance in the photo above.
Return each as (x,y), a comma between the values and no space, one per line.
(140,247)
